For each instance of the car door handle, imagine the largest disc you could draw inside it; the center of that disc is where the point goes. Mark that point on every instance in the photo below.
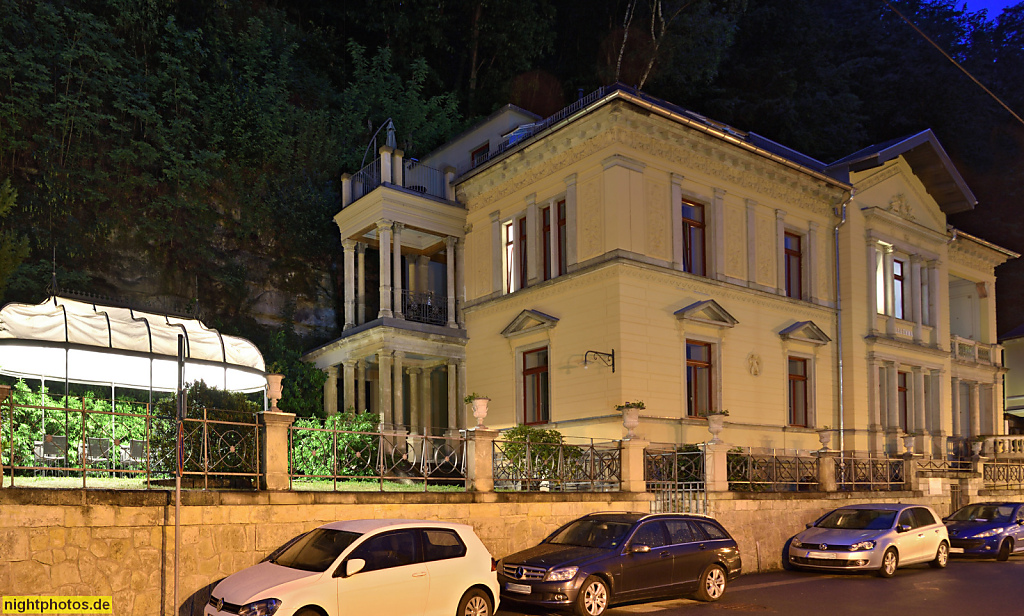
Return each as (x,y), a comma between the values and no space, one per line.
(664,554)
(701,546)
(419,574)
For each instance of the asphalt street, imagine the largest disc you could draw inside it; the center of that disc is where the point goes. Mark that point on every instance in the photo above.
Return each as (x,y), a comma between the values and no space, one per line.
(964,588)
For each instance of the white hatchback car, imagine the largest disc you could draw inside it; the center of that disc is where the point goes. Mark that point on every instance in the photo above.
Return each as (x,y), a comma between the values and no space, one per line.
(359,567)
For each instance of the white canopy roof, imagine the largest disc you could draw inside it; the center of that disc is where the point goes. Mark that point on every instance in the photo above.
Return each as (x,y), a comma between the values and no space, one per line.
(91,343)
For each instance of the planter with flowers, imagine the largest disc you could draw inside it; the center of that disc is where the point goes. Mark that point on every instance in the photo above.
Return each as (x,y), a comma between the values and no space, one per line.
(631,416)
(716,423)
(479,403)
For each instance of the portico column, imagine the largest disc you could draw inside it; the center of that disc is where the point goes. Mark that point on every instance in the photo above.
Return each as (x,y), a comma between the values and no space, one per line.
(460,283)
(872,286)
(426,414)
(937,419)
(997,407)
(384,386)
(958,430)
(384,237)
(349,248)
(915,294)
(360,283)
(331,391)
(449,255)
(399,389)
(397,284)
(919,407)
(890,306)
(975,409)
(349,386)
(414,399)
(892,402)
(461,394)
(875,428)
(933,298)
(453,396)
(360,385)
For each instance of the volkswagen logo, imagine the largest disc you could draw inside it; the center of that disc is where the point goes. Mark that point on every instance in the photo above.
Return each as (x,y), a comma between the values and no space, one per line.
(823,546)
(220,604)
(519,573)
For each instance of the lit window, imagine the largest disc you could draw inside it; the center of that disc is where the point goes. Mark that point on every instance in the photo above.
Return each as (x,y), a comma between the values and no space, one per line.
(698,378)
(797,391)
(508,236)
(898,288)
(535,386)
(693,238)
(794,266)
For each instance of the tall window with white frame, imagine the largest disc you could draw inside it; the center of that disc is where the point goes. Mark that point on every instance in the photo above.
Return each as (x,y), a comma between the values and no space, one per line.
(794,265)
(509,239)
(693,238)
(797,391)
(545,223)
(698,378)
(535,386)
(901,398)
(562,237)
(899,269)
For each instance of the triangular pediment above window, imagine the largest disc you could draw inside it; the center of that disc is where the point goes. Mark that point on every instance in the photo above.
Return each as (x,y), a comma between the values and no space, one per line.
(805,331)
(527,322)
(707,311)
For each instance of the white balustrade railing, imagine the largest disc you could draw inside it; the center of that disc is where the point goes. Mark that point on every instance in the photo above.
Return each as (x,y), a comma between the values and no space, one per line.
(1010,446)
(965,349)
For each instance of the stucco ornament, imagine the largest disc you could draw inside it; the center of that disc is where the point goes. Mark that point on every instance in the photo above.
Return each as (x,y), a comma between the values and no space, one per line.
(754,364)
(901,207)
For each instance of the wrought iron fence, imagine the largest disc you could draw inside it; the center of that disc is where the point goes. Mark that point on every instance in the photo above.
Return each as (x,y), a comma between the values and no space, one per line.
(424,307)
(1003,474)
(573,465)
(870,474)
(423,179)
(385,460)
(131,447)
(365,180)
(752,472)
(675,476)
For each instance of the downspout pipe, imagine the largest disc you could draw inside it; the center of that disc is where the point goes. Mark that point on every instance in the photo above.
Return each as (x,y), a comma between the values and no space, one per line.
(841,212)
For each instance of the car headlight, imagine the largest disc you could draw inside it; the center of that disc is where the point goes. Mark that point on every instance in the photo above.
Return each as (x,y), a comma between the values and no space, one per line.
(990,533)
(795,543)
(562,574)
(263,607)
(863,545)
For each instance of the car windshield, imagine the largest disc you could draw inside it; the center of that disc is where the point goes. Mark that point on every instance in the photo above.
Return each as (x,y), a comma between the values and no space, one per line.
(859,519)
(593,534)
(316,550)
(983,513)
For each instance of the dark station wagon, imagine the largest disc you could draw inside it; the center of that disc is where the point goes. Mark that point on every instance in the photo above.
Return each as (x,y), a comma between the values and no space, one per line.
(606,558)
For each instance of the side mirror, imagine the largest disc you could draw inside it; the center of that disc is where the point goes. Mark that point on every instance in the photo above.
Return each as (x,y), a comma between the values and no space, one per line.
(903,528)
(351,567)
(640,549)
(809,525)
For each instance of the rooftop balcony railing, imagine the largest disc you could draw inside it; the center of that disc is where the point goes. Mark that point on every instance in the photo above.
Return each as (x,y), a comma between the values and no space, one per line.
(391,168)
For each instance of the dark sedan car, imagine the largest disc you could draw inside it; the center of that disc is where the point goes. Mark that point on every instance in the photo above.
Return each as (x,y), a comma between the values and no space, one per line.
(995,530)
(613,557)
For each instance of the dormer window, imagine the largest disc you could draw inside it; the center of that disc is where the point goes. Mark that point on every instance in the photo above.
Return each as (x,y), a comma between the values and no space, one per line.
(479,155)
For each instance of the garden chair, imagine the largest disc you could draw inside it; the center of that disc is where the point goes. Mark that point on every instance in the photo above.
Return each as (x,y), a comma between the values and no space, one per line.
(133,453)
(51,451)
(97,451)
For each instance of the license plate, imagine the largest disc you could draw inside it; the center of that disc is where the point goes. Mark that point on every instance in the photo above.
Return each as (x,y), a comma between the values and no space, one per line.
(523,589)
(956,550)
(823,555)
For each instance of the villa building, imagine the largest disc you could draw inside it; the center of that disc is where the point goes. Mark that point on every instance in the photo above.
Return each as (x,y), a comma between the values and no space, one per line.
(627,249)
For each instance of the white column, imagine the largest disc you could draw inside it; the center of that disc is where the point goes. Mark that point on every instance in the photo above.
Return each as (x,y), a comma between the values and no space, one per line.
(453,396)
(892,396)
(384,386)
(811,265)
(997,407)
(461,394)
(384,237)
(449,258)
(780,252)
(937,416)
(890,306)
(331,391)
(915,294)
(933,297)
(919,407)
(360,283)
(975,409)
(676,208)
(360,385)
(398,389)
(397,265)
(497,254)
(415,418)
(751,242)
(958,430)
(875,426)
(349,249)
(460,282)
(349,391)
(872,286)
(570,222)
(533,242)
(718,220)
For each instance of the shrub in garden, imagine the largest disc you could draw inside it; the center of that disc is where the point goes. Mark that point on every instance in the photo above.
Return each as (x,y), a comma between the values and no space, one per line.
(313,445)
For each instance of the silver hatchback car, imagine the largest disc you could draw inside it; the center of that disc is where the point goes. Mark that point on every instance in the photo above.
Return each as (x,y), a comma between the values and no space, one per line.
(871,537)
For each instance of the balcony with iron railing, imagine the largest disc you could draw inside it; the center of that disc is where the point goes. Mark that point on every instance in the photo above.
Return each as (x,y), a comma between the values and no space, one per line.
(430,308)
(393,169)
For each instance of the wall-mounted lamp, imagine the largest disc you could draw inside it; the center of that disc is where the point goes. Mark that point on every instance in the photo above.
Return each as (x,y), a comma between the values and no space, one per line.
(607,359)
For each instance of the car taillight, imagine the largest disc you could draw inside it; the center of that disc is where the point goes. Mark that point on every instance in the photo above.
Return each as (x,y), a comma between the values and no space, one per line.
(494,564)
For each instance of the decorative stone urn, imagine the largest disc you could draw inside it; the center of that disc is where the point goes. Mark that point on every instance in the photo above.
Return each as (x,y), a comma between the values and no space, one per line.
(274,390)
(976,447)
(908,443)
(716,423)
(825,438)
(630,420)
(480,411)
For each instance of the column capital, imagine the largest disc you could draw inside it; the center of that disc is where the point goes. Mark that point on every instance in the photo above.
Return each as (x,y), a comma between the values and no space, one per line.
(360,248)
(676,178)
(348,245)
(719,193)
(332,371)
(886,248)
(916,259)
(398,226)
(780,214)
(570,180)
(450,241)
(399,354)
(415,370)
(495,215)
(530,199)
(384,225)
(813,226)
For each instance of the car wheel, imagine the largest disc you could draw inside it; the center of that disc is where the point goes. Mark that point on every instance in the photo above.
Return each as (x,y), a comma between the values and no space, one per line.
(941,557)
(712,584)
(475,603)
(308,611)
(593,598)
(1004,550)
(890,562)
